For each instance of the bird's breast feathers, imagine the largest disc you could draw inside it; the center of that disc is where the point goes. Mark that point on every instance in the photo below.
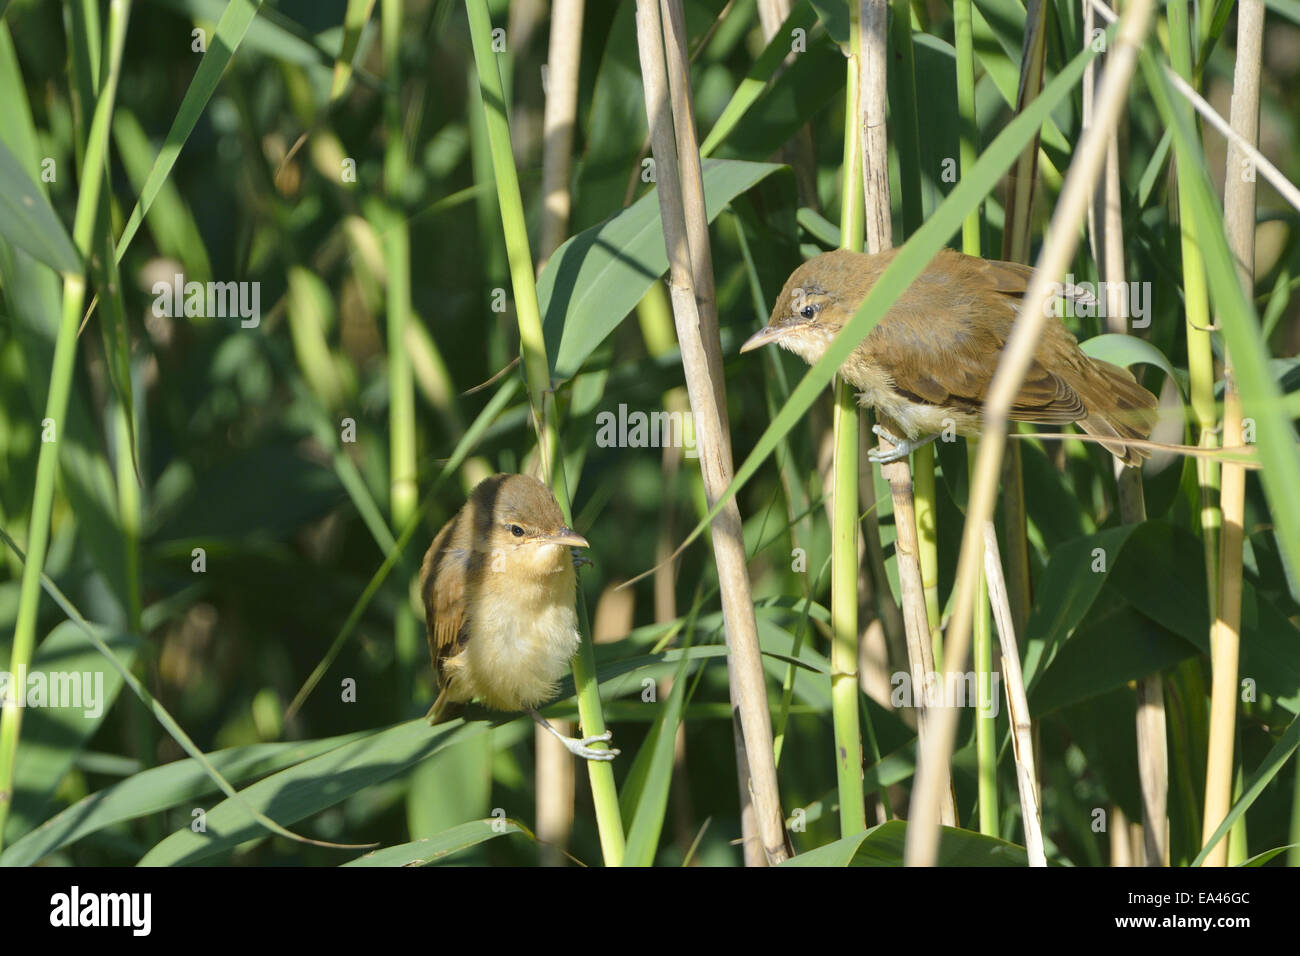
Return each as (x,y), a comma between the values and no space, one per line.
(521,646)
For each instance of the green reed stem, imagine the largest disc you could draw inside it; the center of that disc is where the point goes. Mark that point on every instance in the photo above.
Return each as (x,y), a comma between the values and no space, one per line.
(56,406)
(537,375)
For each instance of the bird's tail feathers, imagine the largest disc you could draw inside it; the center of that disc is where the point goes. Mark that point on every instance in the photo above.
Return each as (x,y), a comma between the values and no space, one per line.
(438,712)
(1131,413)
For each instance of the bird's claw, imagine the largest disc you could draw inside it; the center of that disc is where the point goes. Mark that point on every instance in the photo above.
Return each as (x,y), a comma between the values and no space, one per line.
(581,561)
(902,447)
(582,748)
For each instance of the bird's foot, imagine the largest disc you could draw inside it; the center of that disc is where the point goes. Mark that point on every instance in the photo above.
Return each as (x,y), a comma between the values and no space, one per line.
(581,748)
(580,561)
(902,446)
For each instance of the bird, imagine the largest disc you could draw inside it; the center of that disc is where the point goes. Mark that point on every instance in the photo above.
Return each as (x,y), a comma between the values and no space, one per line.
(499,590)
(928,363)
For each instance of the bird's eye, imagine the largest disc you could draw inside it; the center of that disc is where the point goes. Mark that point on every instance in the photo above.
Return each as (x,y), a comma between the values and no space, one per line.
(808,311)
(517,531)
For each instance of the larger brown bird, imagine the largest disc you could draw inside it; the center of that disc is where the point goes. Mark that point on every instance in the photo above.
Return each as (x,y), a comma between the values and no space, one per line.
(499,589)
(929,361)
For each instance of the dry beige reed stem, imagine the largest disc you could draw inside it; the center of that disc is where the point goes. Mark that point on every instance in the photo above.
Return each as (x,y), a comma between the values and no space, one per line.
(563,59)
(1022,736)
(701,354)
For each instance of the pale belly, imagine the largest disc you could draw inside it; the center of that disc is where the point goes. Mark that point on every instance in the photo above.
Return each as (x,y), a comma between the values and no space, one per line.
(917,420)
(517,655)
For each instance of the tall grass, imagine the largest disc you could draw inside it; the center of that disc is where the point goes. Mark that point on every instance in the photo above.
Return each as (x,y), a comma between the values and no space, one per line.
(187,511)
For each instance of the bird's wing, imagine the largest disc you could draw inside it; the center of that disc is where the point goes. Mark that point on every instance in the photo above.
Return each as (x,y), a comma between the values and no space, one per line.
(951,363)
(443,576)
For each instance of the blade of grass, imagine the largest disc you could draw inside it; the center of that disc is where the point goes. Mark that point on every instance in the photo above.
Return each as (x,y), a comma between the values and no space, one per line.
(74,289)
(29,221)
(766,66)
(653,768)
(160,712)
(354,21)
(434,849)
(230,32)
(1264,774)
(160,788)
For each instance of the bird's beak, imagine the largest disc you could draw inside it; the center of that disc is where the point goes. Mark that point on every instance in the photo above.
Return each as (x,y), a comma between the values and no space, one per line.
(764,336)
(568,536)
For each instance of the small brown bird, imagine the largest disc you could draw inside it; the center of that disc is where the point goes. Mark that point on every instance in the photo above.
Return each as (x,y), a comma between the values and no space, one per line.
(499,589)
(930,360)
